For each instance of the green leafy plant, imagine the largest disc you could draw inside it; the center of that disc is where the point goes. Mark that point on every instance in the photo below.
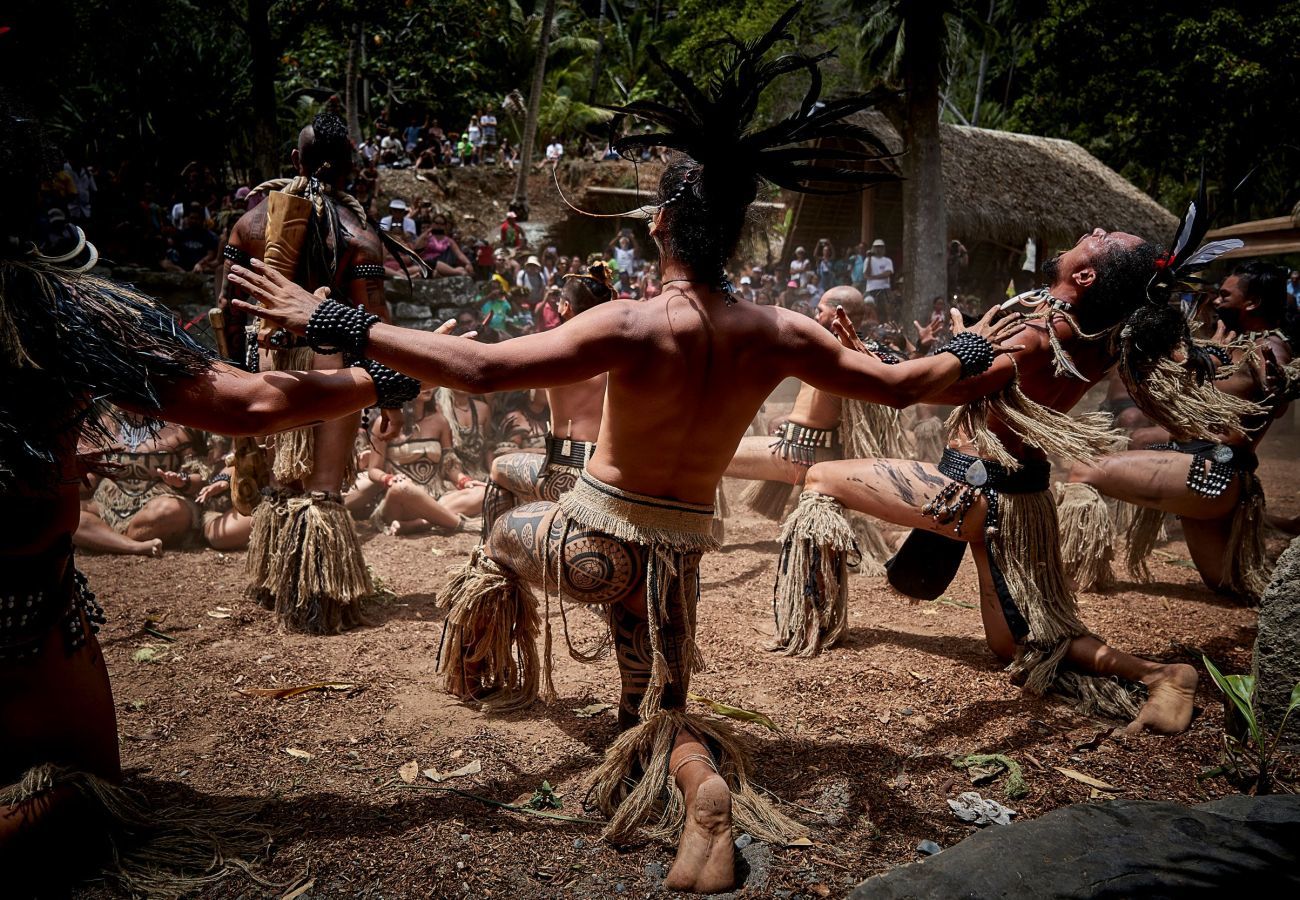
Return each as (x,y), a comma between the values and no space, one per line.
(544,797)
(1255,748)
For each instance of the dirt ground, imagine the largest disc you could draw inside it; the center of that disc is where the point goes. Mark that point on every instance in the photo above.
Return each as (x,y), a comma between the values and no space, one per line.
(863,755)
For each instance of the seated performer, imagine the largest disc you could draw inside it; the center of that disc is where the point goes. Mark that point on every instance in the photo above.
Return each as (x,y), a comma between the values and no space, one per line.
(224,527)
(575,411)
(1107,295)
(469,418)
(523,420)
(1208,481)
(820,427)
(313,230)
(75,343)
(687,372)
(415,470)
(147,494)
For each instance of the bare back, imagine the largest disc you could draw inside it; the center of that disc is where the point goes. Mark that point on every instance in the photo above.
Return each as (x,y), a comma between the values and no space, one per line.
(577,409)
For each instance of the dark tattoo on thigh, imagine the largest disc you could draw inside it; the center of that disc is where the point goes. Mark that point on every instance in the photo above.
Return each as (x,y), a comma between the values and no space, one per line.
(902,488)
(632,650)
(925,477)
(513,542)
(597,568)
(497,501)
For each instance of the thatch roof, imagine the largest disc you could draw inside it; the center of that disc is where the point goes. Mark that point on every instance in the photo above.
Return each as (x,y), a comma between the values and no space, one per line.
(1006,187)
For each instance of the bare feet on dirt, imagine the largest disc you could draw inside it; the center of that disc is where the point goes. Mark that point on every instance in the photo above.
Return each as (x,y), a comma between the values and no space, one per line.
(152,548)
(1168,710)
(705,862)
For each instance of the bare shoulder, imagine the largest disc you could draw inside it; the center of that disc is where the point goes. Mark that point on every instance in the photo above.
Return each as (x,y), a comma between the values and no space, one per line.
(364,245)
(249,233)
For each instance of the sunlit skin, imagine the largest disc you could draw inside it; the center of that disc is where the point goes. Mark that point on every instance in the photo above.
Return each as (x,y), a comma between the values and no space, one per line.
(895,490)
(687,373)
(1158,480)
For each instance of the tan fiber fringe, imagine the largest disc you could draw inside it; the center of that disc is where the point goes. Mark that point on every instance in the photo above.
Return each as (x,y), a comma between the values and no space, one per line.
(720,513)
(1146,528)
(1244,557)
(319,577)
(811,597)
(489,647)
(1087,536)
(873,549)
(634,789)
(293,452)
(1027,551)
(670,529)
(872,431)
(768,498)
(1173,398)
(931,438)
(269,519)
(156,852)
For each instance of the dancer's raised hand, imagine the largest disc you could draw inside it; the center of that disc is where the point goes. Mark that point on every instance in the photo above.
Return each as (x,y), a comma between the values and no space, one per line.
(283,303)
(996,327)
(842,328)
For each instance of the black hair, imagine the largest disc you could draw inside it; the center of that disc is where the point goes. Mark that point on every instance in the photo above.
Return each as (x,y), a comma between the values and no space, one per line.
(1120,288)
(585,291)
(329,146)
(704,213)
(1265,283)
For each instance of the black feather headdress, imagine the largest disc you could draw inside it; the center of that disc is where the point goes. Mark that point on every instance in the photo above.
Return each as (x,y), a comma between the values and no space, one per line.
(1177,268)
(714,123)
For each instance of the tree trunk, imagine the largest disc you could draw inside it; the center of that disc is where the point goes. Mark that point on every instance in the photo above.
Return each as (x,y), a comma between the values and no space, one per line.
(266,161)
(983,70)
(520,202)
(600,53)
(925,217)
(350,85)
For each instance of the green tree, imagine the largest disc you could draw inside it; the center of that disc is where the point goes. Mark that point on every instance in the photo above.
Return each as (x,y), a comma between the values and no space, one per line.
(1151,89)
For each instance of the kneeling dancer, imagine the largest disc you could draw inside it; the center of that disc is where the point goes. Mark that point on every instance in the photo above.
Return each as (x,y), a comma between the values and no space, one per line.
(575,410)
(687,372)
(991,487)
(1209,483)
(79,355)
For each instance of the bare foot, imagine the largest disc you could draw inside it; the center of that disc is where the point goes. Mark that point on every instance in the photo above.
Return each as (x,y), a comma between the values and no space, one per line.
(1170,693)
(393,528)
(152,548)
(705,862)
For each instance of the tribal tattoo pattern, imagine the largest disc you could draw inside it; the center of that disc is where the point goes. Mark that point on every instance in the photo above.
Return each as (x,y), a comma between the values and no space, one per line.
(523,478)
(632,651)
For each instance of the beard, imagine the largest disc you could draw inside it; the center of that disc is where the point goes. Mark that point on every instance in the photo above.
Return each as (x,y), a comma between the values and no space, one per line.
(1230,318)
(1052,268)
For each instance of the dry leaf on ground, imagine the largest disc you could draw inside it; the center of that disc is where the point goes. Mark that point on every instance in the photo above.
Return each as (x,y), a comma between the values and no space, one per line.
(409,772)
(286,692)
(735,712)
(1087,779)
(470,768)
(299,754)
(218,614)
(594,709)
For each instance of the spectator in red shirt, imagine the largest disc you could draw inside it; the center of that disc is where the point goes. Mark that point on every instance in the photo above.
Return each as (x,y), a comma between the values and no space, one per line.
(512,236)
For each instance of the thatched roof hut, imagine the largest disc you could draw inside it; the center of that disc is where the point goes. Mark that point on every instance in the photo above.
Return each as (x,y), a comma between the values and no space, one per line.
(1002,188)
(1006,187)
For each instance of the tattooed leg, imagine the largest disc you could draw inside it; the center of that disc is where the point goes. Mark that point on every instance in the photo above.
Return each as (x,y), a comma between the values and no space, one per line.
(893,490)
(632,650)
(513,481)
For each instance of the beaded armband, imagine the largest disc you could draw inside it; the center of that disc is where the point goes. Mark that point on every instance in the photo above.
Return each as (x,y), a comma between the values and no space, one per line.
(974,352)
(337,328)
(393,388)
(236,255)
(366,271)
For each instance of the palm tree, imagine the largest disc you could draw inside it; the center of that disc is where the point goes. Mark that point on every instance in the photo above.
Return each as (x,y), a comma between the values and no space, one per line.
(520,202)
(905,44)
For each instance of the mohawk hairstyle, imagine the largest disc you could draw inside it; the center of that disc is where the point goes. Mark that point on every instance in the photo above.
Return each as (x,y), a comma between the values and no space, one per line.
(704,194)
(330,146)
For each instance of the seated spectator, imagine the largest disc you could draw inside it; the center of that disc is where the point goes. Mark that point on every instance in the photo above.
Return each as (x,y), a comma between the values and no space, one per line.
(554,153)
(484,259)
(523,423)
(551,266)
(547,313)
(746,289)
(390,149)
(496,308)
(194,246)
(428,159)
(224,527)
(439,249)
(149,499)
(531,280)
(813,290)
(397,220)
(411,137)
(425,484)
(508,155)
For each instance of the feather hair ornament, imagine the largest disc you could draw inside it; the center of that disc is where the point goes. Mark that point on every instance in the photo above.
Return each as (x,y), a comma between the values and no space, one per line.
(714,125)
